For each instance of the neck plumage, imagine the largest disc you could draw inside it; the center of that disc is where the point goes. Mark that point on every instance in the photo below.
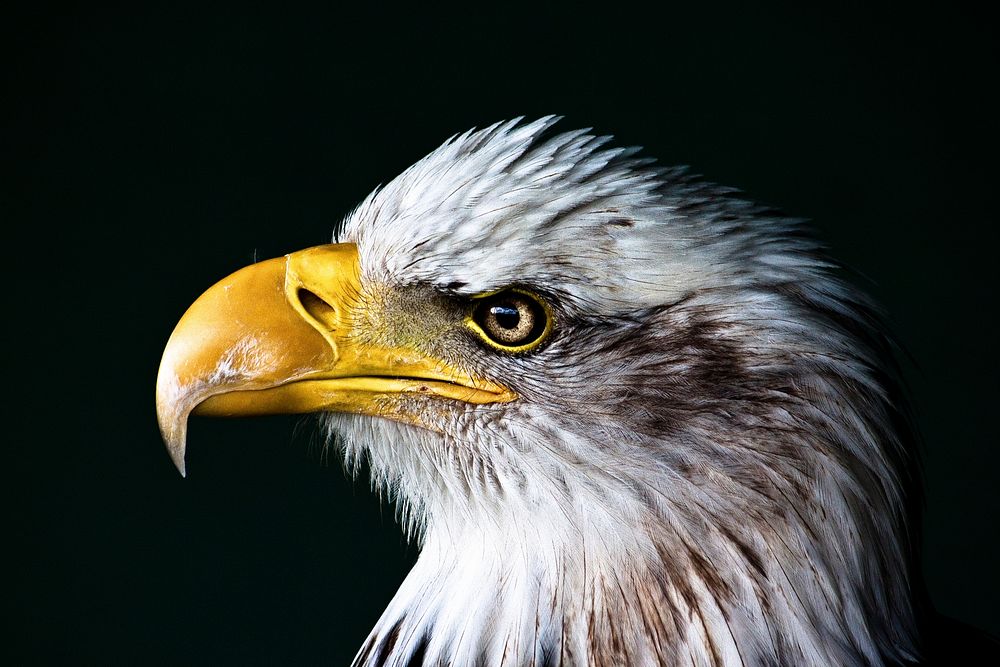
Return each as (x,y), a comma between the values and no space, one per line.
(652,590)
(510,596)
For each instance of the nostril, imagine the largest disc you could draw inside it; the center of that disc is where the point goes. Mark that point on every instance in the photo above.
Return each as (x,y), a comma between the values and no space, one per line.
(313,304)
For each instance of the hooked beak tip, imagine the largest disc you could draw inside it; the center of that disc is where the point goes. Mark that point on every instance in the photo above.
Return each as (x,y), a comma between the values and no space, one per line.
(178,458)
(174,433)
(172,415)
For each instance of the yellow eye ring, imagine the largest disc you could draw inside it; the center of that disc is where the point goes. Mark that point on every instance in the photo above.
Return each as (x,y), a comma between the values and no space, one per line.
(511,320)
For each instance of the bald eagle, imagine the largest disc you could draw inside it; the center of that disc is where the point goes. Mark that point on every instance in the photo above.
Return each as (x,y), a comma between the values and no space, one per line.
(630,417)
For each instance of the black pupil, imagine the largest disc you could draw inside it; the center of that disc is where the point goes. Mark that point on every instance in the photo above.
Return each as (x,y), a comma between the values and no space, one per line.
(506,316)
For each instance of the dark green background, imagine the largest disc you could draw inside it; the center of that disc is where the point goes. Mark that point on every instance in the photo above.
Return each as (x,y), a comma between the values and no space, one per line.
(158,149)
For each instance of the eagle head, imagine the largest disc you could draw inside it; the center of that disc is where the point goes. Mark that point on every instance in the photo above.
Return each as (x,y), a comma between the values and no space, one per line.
(630,417)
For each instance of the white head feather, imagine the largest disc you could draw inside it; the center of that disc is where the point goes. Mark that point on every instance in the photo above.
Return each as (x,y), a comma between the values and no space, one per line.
(706,464)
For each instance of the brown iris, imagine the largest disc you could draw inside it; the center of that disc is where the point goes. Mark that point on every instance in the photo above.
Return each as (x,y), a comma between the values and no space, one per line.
(511,320)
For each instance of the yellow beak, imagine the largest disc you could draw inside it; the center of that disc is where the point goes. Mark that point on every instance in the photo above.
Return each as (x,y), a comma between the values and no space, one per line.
(276,337)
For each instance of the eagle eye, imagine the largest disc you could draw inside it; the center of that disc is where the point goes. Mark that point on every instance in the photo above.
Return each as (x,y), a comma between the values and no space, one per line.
(511,320)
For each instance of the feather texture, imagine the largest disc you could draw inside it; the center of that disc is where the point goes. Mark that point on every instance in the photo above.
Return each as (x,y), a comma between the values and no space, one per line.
(708,462)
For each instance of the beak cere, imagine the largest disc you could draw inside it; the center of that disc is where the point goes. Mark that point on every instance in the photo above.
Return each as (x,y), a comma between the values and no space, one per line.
(276,337)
